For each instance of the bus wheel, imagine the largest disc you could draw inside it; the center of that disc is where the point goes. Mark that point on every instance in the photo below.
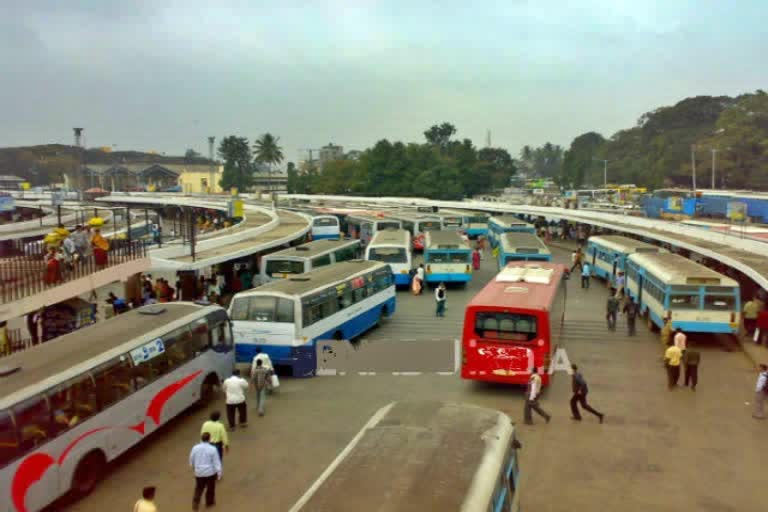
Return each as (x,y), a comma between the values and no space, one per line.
(208,389)
(89,472)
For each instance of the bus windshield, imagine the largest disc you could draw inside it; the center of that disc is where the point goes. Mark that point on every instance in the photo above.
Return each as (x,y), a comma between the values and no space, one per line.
(447,257)
(387,225)
(429,226)
(284,267)
(388,255)
(325,221)
(263,309)
(505,326)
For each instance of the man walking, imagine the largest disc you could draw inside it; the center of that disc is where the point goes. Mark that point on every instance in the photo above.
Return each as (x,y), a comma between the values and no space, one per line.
(420,277)
(261,376)
(761,332)
(532,392)
(585,275)
(580,390)
(681,340)
(576,258)
(206,464)
(751,310)
(440,297)
(691,360)
(217,432)
(147,501)
(630,309)
(611,309)
(234,389)
(672,358)
(761,393)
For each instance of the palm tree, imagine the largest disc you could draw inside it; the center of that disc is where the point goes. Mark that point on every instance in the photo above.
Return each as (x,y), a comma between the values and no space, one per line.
(267,151)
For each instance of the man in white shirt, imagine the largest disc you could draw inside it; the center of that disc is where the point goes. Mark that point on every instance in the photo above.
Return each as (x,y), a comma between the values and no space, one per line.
(234,389)
(761,393)
(205,461)
(681,340)
(420,277)
(532,393)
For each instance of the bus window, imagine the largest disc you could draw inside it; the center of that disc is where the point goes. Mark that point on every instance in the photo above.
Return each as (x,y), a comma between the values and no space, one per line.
(345,298)
(321,261)
(284,267)
(719,302)
(459,257)
(284,311)
(73,402)
(221,338)
(33,418)
(9,443)
(113,381)
(179,346)
(254,309)
(200,336)
(388,255)
(505,326)
(684,302)
(347,253)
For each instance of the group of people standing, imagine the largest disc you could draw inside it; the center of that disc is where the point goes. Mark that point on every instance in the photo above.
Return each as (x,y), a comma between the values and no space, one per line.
(65,250)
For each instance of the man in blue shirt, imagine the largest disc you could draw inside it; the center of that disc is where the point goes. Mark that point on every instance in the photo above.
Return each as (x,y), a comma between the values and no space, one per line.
(586,272)
(206,463)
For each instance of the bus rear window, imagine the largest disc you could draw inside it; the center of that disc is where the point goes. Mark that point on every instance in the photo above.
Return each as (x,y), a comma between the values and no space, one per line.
(262,309)
(429,226)
(684,302)
(284,267)
(505,326)
(447,257)
(388,255)
(325,221)
(719,303)
(387,225)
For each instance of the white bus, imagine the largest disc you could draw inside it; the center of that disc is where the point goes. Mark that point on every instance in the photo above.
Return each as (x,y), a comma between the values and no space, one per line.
(421,456)
(74,404)
(309,256)
(418,224)
(285,318)
(363,225)
(393,246)
(326,226)
(498,225)
(447,258)
(695,297)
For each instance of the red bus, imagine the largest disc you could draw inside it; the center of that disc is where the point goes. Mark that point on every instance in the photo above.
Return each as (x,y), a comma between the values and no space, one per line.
(514,323)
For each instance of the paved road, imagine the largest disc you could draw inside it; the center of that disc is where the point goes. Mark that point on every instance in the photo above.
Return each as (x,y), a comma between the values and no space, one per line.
(657,451)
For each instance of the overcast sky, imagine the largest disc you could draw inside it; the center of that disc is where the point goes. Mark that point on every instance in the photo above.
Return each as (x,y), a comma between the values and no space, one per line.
(164,75)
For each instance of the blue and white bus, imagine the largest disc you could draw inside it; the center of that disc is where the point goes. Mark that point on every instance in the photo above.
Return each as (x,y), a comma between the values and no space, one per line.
(476,224)
(696,298)
(498,225)
(608,254)
(284,319)
(393,246)
(417,224)
(363,226)
(521,247)
(309,256)
(447,258)
(326,226)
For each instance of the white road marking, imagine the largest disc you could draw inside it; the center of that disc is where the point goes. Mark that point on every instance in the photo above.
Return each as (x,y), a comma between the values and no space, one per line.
(340,457)
(407,374)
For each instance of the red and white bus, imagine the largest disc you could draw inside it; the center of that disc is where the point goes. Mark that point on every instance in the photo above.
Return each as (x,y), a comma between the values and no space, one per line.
(514,324)
(72,405)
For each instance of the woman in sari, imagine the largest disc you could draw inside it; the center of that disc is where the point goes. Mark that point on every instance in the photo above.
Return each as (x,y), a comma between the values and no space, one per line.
(100,247)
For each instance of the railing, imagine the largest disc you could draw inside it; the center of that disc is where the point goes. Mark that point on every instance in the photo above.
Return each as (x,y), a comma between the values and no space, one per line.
(24,274)
(15,343)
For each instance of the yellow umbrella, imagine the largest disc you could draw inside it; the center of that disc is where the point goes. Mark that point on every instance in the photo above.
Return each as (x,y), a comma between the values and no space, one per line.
(96,222)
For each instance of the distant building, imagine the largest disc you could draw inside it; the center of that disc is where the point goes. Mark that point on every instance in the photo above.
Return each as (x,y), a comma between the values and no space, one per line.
(331,152)
(187,178)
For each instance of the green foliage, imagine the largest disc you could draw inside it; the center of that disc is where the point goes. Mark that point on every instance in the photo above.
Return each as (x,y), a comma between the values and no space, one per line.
(440,135)
(545,161)
(267,150)
(578,161)
(238,169)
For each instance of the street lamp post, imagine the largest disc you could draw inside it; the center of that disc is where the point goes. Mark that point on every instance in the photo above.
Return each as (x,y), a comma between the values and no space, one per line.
(693,165)
(605,170)
(714,161)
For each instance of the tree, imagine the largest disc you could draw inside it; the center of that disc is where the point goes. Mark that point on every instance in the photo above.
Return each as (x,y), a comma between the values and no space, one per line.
(578,162)
(190,154)
(440,135)
(267,151)
(292,183)
(238,169)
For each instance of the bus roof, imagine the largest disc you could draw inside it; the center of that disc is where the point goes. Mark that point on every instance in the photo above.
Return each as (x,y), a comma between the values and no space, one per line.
(507,220)
(60,354)
(513,240)
(302,283)
(311,249)
(521,295)
(444,239)
(367,216)
(398,237)
(623,244)
(414,216)
(415,456)
(679,270)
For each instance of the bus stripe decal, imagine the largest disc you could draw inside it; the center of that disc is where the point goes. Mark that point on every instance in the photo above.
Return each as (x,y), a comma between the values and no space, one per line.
(155,408)
(30,471)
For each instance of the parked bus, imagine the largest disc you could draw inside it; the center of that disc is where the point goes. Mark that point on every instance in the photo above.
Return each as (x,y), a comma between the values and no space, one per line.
(499,225)
(514,324)
(309,256)
(285,318)
(476,224)
(71,406)
(452,220)
(696,298)
(447,258)
(363,225)
(326,226)
(438,456)
(393,246)
(417,225)
(521,247)
(608,254)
